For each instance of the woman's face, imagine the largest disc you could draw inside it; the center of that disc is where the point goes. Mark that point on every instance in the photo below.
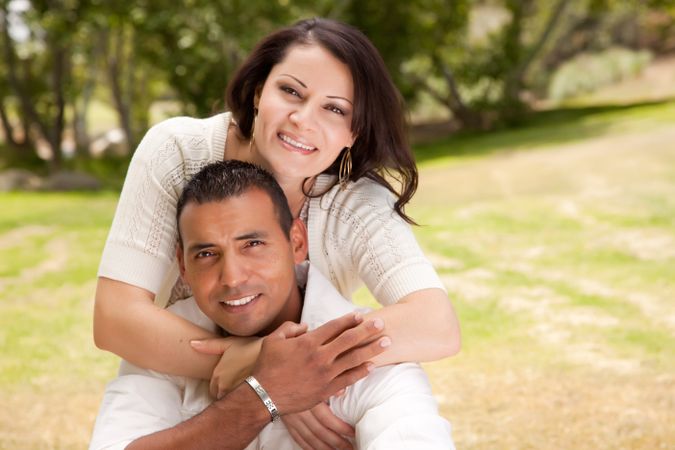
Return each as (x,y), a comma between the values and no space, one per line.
(304,113)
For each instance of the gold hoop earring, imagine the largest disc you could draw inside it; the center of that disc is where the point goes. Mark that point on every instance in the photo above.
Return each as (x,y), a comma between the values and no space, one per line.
(255,118)
(345,168)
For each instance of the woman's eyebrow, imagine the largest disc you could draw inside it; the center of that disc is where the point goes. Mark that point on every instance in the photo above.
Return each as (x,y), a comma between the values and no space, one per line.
(296,79)
(341,98)
(305,86)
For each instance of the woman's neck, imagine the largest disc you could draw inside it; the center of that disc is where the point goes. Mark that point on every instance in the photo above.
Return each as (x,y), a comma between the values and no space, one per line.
(239,148)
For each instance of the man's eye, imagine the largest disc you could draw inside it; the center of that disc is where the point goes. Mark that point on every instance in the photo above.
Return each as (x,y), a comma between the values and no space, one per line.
(254,243)
(204,254)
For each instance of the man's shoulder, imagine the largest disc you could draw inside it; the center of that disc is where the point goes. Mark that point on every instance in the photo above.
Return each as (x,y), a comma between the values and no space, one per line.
(323,302)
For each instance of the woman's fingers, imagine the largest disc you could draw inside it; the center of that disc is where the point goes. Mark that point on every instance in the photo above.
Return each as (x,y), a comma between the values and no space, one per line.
(216,346)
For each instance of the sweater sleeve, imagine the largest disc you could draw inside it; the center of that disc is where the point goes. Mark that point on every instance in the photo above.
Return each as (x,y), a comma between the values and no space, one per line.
(141,244)
(356,236)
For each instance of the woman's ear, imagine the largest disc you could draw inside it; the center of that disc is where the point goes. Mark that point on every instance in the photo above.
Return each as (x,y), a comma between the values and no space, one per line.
(298,238)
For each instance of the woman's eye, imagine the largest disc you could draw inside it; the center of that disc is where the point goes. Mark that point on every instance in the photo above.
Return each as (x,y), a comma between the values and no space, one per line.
(290,90)
(335,109)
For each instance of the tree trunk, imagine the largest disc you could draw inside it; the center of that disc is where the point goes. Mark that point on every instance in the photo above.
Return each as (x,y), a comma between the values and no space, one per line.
(115,73)
(515,79)
(468,117)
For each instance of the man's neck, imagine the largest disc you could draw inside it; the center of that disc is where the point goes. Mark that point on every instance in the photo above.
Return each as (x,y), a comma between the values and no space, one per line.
(292,311)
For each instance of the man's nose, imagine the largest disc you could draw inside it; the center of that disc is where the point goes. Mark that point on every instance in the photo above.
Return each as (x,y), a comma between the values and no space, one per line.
(233,271)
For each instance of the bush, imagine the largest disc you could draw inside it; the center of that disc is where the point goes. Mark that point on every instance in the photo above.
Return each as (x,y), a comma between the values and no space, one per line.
(589,71)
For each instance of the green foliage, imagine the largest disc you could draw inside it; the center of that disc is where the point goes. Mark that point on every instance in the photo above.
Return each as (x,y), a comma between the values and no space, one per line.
(587,72)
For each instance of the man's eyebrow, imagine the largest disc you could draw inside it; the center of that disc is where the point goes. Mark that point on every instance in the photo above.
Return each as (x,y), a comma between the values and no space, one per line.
(197,246)
(256,234)
(296,79)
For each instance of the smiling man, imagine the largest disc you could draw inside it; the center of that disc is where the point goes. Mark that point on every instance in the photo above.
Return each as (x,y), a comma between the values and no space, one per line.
(241,252)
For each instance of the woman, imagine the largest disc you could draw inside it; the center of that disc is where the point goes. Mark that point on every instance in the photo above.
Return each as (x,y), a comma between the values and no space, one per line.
(312,101)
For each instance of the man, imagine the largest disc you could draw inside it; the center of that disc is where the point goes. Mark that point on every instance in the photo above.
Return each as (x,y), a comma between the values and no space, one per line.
(238,251)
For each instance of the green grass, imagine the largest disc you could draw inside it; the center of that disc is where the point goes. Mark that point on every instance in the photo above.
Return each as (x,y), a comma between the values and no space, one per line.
(547,129)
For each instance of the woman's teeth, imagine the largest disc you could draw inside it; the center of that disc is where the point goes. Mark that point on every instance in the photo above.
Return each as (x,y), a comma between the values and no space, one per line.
(241,301)
(294,143)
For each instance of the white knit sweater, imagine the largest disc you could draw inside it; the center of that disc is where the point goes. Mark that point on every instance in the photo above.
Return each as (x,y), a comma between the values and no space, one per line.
(354,234)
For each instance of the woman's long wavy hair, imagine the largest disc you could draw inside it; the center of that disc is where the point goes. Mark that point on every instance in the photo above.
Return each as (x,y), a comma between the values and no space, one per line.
(381,150)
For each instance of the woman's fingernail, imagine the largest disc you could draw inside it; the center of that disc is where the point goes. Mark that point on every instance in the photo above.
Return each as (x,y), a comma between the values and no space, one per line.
(370,367)
(196,343)
(385,342)
(378,323)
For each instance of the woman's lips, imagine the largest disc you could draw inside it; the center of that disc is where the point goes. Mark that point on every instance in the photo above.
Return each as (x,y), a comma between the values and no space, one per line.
(294,145)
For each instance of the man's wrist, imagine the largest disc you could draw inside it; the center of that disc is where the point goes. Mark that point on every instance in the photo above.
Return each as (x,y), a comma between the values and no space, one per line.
(252,412)
(264,397)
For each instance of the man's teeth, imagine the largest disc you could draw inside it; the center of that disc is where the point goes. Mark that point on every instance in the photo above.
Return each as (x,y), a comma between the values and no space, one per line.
(297,144)
(241,301)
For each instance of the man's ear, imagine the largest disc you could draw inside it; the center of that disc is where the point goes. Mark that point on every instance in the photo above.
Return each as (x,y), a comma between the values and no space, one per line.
(181,260)
(298,238)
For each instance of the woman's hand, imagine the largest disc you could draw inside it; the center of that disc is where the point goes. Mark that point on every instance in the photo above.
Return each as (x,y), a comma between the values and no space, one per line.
(239,354)
(319,428)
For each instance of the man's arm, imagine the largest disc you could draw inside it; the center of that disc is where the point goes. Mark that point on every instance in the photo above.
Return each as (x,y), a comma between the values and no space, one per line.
(229,423)
(297,370)
(394,408)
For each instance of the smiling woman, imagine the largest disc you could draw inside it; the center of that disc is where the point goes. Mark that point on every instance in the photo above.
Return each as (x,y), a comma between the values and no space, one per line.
(315,106)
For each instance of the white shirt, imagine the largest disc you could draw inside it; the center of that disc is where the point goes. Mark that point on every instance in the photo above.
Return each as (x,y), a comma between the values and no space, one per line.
(393,408)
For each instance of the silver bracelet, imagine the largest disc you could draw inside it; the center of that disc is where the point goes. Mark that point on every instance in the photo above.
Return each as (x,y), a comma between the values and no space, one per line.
(265,397)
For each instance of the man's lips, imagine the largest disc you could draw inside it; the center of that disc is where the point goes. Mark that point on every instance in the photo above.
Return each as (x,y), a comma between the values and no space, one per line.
(241,301)
(294,144)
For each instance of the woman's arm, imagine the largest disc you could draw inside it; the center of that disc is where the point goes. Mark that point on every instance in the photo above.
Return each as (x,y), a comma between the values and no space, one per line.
(127,323)
(422,326)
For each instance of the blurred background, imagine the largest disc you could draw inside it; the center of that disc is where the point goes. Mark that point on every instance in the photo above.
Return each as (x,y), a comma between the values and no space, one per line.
(545,135)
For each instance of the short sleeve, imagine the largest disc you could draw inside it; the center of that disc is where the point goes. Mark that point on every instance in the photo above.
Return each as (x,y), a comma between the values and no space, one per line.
(141,244)
(134,406)
(394,408)
(355,235)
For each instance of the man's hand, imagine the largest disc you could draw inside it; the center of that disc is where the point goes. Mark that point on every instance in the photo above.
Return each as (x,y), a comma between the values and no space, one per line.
(319,429)
(300,369)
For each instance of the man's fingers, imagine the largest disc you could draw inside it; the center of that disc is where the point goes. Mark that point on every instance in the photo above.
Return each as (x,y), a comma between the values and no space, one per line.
(215,346)
(289,330)
(324,437)
(325,416)
(335,327)
(350,377)
(297,437)
(306,437)
(360,355)
(356,336)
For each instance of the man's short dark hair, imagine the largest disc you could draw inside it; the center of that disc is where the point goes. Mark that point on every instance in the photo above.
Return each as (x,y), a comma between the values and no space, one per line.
(226,179)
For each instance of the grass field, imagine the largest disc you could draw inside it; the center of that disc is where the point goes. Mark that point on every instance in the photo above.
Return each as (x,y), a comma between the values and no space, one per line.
(556,242)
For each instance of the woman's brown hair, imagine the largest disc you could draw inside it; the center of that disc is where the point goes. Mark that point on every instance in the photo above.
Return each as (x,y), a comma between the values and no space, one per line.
(381,150)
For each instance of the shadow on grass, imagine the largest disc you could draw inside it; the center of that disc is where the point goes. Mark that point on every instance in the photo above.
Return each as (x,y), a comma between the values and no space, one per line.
(551,127)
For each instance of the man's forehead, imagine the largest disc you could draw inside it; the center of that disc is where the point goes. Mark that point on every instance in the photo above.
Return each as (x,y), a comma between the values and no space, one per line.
(252,211)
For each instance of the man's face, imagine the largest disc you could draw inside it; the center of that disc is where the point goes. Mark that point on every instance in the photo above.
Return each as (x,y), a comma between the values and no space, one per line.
(240,264)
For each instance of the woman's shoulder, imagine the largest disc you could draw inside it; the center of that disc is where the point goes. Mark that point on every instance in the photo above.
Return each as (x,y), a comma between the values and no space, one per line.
(185,135)
(364,191)
(191,126)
